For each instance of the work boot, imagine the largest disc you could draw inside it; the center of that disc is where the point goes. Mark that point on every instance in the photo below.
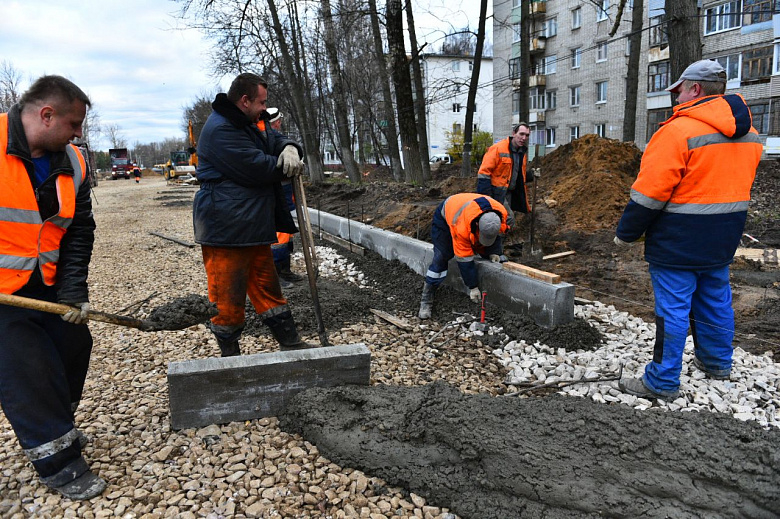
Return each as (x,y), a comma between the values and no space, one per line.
(717,374)
(283,269)
(82,438)
(86,486)
(637,387)
(229,348)
(426,303)
(285,284)
(285,332)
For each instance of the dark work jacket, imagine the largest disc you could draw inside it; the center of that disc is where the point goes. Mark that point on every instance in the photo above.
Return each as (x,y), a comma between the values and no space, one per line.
(240,202)
(76,244)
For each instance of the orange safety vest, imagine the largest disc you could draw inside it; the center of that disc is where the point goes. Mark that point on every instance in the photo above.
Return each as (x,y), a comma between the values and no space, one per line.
(26,241)
(459,211)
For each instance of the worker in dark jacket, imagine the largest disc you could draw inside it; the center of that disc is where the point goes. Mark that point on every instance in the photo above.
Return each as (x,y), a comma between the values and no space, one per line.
(238,210)
(46,236)
(464,226)
(690,202)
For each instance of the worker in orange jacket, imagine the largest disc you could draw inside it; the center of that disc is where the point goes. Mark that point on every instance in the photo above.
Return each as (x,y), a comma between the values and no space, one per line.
(502,175)
(690,203)
(464,225)
(46,236)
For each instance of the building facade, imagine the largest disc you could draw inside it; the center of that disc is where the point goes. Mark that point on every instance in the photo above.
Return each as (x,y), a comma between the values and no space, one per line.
(578,76)
(446,83)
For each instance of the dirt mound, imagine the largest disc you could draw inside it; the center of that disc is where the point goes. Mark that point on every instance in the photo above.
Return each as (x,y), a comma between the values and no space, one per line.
(587,182)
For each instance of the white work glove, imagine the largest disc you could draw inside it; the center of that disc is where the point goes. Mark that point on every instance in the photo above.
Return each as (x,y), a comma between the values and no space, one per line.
(475,295)
(537,172)
(290,162)
(79,313)
(621,243)
(495,258)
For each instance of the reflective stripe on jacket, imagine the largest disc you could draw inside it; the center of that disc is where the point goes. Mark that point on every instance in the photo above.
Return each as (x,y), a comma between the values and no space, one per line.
(495,174)
(691,196)
(461,212)
(27,241)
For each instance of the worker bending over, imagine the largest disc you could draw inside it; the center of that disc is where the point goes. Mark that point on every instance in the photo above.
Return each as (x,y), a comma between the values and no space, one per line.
(463,225)
(238,210)
(690,201)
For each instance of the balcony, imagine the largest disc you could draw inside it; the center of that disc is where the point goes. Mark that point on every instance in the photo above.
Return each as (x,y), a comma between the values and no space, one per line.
(535,117)
(538,6)
(537,44)
(537,81)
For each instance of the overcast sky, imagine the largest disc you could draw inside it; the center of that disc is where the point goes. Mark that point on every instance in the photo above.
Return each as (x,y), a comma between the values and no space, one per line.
(135,59)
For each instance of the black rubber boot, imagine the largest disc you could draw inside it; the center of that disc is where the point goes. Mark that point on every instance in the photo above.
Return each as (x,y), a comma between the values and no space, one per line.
(426,303)
(229,348)
(283,269)
(285,332)
(227,339)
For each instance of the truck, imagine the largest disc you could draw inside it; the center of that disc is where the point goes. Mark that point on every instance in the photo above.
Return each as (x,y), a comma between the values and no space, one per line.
(121,166)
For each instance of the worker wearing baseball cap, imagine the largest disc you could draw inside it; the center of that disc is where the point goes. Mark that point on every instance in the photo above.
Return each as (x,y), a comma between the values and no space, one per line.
(690,202)
(464,225)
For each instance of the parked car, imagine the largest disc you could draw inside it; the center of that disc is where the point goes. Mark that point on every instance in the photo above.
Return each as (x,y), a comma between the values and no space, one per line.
(441,158)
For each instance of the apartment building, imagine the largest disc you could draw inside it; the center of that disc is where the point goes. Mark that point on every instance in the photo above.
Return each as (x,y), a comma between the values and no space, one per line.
(578,72)
(446,82)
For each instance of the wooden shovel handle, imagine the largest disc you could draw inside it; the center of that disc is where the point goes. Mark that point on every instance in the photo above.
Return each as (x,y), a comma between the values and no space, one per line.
(60,309)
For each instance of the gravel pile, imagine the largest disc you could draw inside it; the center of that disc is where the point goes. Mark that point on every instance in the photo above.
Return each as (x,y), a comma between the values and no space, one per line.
(253,468)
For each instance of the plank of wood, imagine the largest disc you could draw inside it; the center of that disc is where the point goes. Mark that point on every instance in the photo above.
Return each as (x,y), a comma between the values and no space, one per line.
(171,238)
(531,272)
(559,255)
(357,249)
(397,321)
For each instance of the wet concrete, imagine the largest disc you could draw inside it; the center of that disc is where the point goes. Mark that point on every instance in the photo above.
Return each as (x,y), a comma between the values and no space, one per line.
(181,313)
(553,457)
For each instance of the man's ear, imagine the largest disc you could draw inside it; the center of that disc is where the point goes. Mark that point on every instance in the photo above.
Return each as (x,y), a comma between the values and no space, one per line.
(46,112)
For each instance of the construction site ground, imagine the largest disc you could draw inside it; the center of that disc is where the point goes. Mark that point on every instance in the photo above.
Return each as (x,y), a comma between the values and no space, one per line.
(443,431)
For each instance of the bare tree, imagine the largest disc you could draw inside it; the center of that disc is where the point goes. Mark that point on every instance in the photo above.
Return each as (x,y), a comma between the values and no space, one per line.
(10,81)
(419,96)
(471,100)
(113,133)
(197,113)
(525,56)
(632,80)
(684,35)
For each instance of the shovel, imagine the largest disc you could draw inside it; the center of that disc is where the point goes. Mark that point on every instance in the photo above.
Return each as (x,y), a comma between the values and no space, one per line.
(307,240)
(92,315)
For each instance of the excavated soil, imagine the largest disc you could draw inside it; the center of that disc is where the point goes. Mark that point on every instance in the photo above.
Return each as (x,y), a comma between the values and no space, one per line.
(583,189)
(553,457)
(182,312)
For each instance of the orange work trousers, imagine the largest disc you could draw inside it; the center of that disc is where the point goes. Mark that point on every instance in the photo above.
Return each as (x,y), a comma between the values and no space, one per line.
(236,272)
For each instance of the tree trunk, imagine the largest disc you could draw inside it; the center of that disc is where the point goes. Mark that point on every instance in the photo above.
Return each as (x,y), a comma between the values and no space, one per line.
(301,103)
(684,36)
(403,92)
(632,81)
(525,56)
(390,130)
(465,169)
(419,96)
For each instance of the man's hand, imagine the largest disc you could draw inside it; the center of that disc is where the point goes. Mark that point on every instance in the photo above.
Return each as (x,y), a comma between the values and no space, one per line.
(290,162)
(621,243)
(537,172)
(495,258)
(79,313)
(475,295)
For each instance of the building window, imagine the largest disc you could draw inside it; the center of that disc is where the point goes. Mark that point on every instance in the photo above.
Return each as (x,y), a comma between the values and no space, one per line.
(601,91)
(601,130)
(550,64)
(601,51)
(654,118)
(576,18)
(516,102)
(516,31)
(757,11)
(552,99)
(576,57)
(457,129)
(549,136)
(456,66)
(760,117)
(658,76)
(514,68)
(537,135)
(471,65)
(601,13)
(658,31)
(757,64)
(730,64)
(550,28)
(536,98)
(456,107)
(574,133)
(574,96)
(721,18)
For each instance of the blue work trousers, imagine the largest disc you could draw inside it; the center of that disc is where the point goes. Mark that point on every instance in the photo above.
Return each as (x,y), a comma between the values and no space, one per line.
(43,366)
(701,298)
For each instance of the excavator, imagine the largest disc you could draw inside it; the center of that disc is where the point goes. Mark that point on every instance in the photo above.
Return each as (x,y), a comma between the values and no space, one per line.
(183,163)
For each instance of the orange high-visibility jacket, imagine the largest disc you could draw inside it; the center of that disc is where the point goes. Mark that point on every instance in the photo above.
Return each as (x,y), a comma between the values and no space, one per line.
(27,242)
(495,173)
(691,196)
(460,212)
